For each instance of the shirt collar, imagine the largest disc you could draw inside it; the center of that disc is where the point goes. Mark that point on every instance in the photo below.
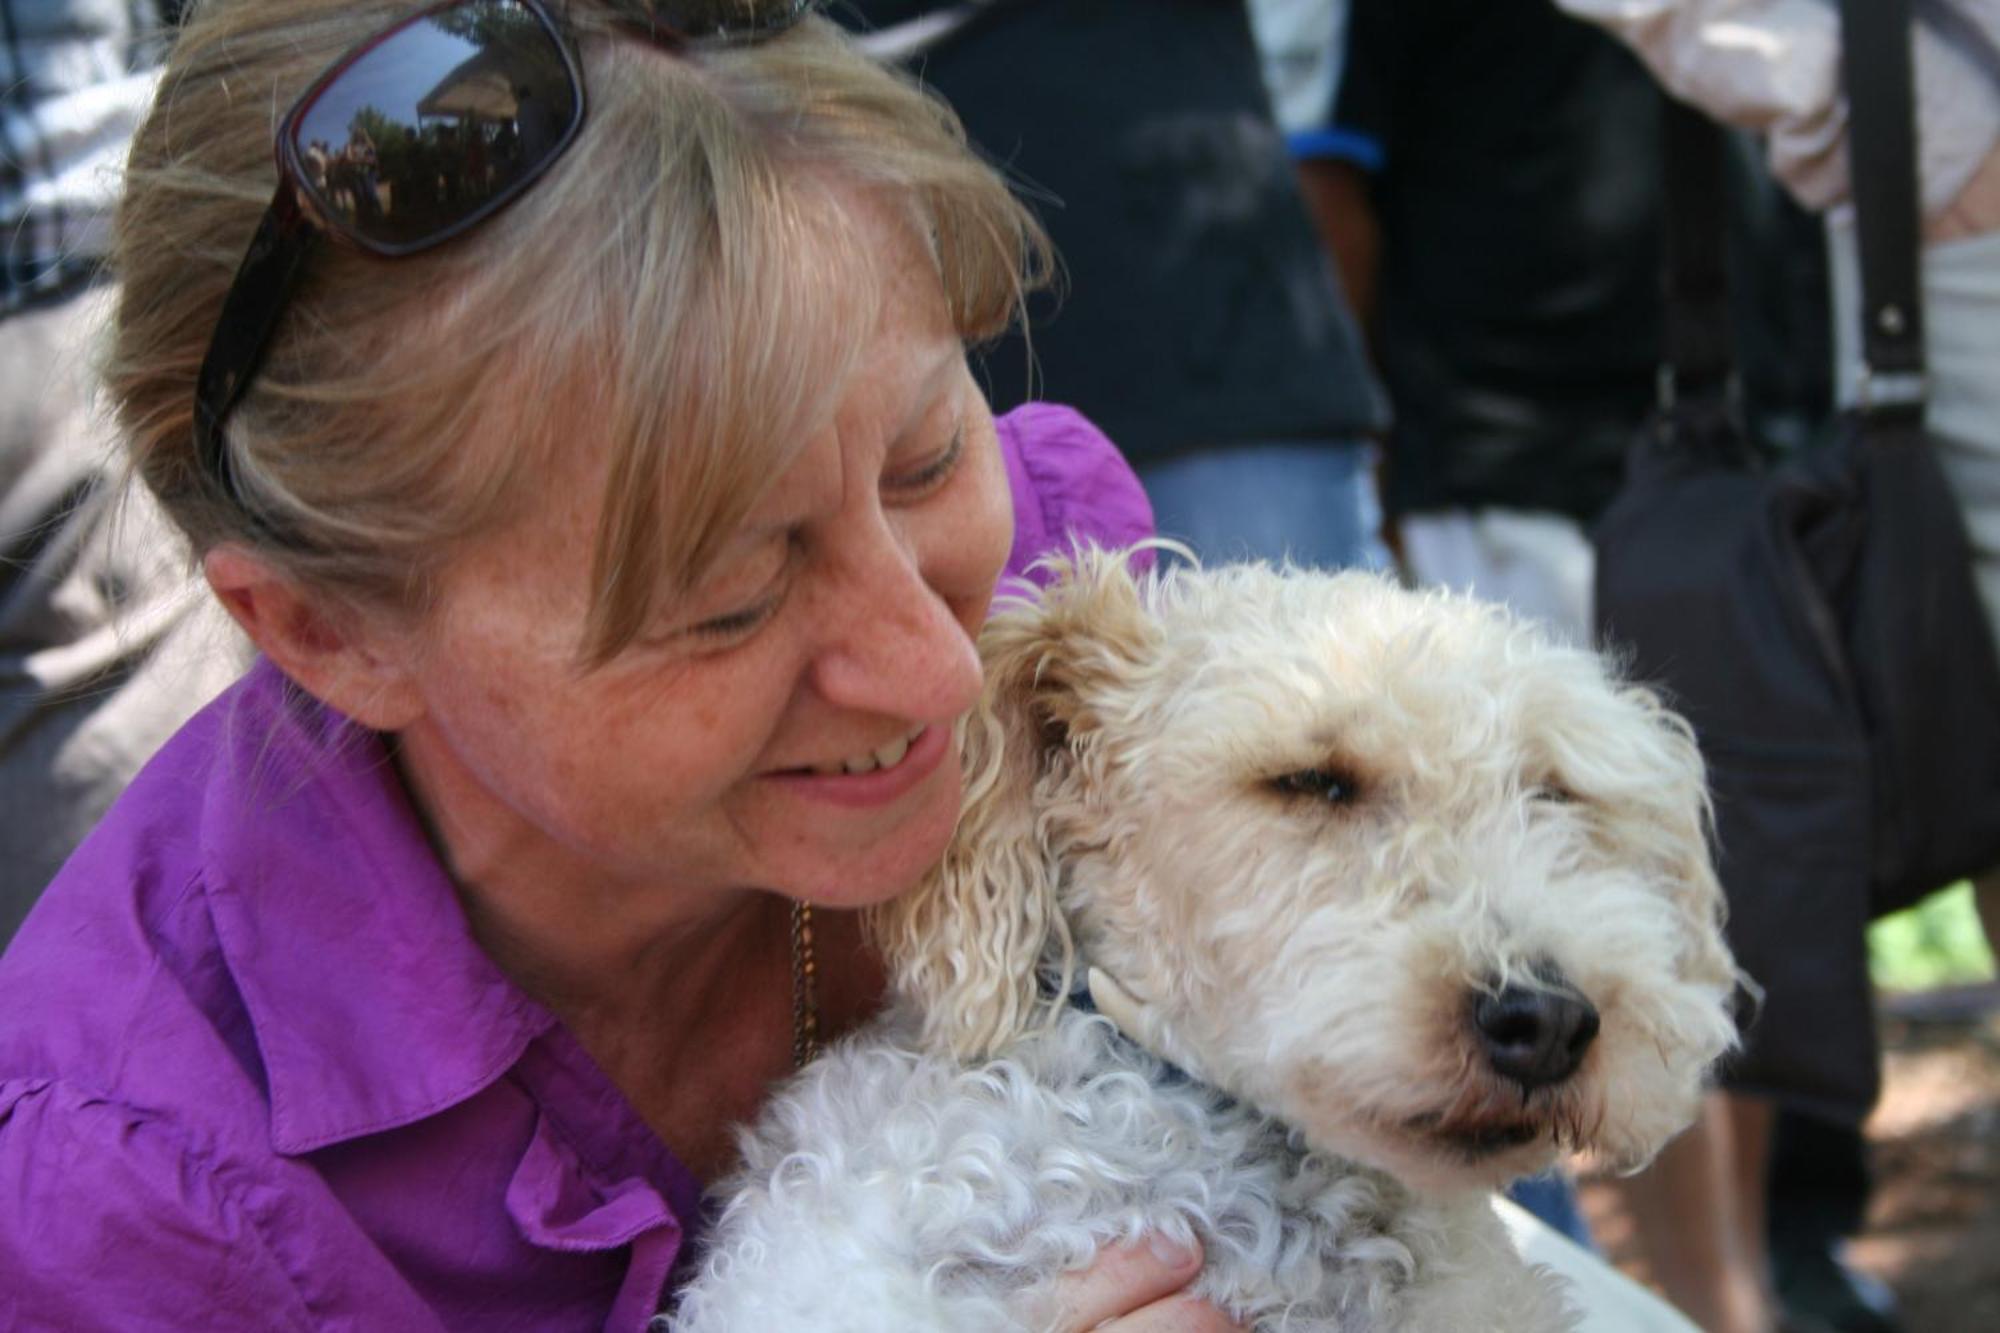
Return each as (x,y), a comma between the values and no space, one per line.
(372,1005)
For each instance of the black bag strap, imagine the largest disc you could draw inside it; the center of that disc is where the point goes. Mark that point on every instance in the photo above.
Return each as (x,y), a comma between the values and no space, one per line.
(1699,346)
(1882,164)
(1698,336)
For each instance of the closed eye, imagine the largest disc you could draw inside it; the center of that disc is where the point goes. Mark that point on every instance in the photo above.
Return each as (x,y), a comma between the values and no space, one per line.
(1321,784)
(933,474)
(774,569)
(737,622)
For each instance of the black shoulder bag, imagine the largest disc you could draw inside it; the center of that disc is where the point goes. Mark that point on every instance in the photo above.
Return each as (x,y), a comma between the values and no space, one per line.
(1816,618)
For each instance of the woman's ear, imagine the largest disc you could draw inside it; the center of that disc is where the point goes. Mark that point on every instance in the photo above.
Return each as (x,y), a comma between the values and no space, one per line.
(328,649)
(968,943)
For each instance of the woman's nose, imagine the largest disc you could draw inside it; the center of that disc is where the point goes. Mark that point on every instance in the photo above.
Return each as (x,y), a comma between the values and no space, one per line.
(892,644)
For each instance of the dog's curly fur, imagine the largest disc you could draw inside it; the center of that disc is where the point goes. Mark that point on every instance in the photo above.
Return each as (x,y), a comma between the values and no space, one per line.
(1306,820)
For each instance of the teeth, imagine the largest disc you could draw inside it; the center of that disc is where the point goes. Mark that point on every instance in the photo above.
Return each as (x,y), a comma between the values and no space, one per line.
(888,756)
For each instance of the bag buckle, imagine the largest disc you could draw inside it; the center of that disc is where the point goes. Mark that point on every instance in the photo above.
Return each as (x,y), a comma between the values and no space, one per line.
(1890,390)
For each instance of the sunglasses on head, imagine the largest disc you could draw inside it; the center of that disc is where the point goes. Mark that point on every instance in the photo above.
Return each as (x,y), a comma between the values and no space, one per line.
(415,136)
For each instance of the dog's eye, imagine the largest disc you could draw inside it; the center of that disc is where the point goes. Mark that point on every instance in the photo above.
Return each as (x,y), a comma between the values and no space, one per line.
(1552,792)
(1325,784)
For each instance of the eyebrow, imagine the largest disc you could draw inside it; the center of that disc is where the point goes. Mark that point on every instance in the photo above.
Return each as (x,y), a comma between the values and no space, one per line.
(931,384)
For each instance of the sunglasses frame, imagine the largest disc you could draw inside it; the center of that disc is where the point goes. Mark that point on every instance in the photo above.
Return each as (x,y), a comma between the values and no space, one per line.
(292,226)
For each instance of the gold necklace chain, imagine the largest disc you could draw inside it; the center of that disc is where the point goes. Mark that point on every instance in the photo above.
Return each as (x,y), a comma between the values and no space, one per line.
(805,987)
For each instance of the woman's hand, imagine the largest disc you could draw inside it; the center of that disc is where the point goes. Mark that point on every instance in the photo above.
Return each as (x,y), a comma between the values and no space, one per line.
(1138,1288)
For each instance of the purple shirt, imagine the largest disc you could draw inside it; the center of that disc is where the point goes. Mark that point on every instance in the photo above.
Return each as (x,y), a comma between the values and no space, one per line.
(255,1074)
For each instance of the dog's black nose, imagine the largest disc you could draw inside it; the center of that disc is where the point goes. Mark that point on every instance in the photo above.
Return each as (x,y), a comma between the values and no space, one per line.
(1535,1037)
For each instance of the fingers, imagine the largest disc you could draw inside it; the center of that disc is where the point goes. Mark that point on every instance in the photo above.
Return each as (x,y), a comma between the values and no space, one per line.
(1176,1314)
(1123,1278)
(1137,1288)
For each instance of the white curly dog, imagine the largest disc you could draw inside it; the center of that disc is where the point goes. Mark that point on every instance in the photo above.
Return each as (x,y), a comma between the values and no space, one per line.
(1392,900)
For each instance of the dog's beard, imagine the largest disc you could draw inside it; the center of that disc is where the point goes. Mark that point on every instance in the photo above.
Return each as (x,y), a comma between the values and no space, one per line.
(1486,1136)
(1494,1124)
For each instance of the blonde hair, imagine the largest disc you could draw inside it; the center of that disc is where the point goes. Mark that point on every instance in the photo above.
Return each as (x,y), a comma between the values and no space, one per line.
(680,282)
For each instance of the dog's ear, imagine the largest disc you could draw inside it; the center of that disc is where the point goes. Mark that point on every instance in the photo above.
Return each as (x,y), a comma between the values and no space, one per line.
(968,943)
(1688,820)
(1651,778)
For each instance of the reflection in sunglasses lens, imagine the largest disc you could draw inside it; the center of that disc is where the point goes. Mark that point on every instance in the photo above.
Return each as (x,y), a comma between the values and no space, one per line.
(435,124)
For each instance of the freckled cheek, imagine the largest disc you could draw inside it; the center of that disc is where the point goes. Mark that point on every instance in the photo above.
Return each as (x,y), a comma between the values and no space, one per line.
(697,748)
(617,782)
(626,753)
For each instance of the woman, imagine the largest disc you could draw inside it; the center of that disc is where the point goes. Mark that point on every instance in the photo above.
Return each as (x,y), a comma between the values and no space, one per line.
(615,553)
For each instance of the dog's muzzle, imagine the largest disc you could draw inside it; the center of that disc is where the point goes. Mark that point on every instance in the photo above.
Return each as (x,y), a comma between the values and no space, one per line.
(1534,1036)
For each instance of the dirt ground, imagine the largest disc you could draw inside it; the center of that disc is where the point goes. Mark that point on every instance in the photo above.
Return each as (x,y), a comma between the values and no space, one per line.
(1934,1223)
(1933,1228)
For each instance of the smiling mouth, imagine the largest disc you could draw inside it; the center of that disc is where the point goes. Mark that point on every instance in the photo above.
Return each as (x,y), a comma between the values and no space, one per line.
(880,758)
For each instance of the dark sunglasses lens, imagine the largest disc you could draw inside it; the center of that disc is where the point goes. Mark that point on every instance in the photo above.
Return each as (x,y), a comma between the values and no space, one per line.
(437,124)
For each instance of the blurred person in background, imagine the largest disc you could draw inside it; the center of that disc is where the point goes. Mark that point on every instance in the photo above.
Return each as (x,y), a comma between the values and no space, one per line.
(1485,177)
(105,648)
(1774,67)
(1200,324)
